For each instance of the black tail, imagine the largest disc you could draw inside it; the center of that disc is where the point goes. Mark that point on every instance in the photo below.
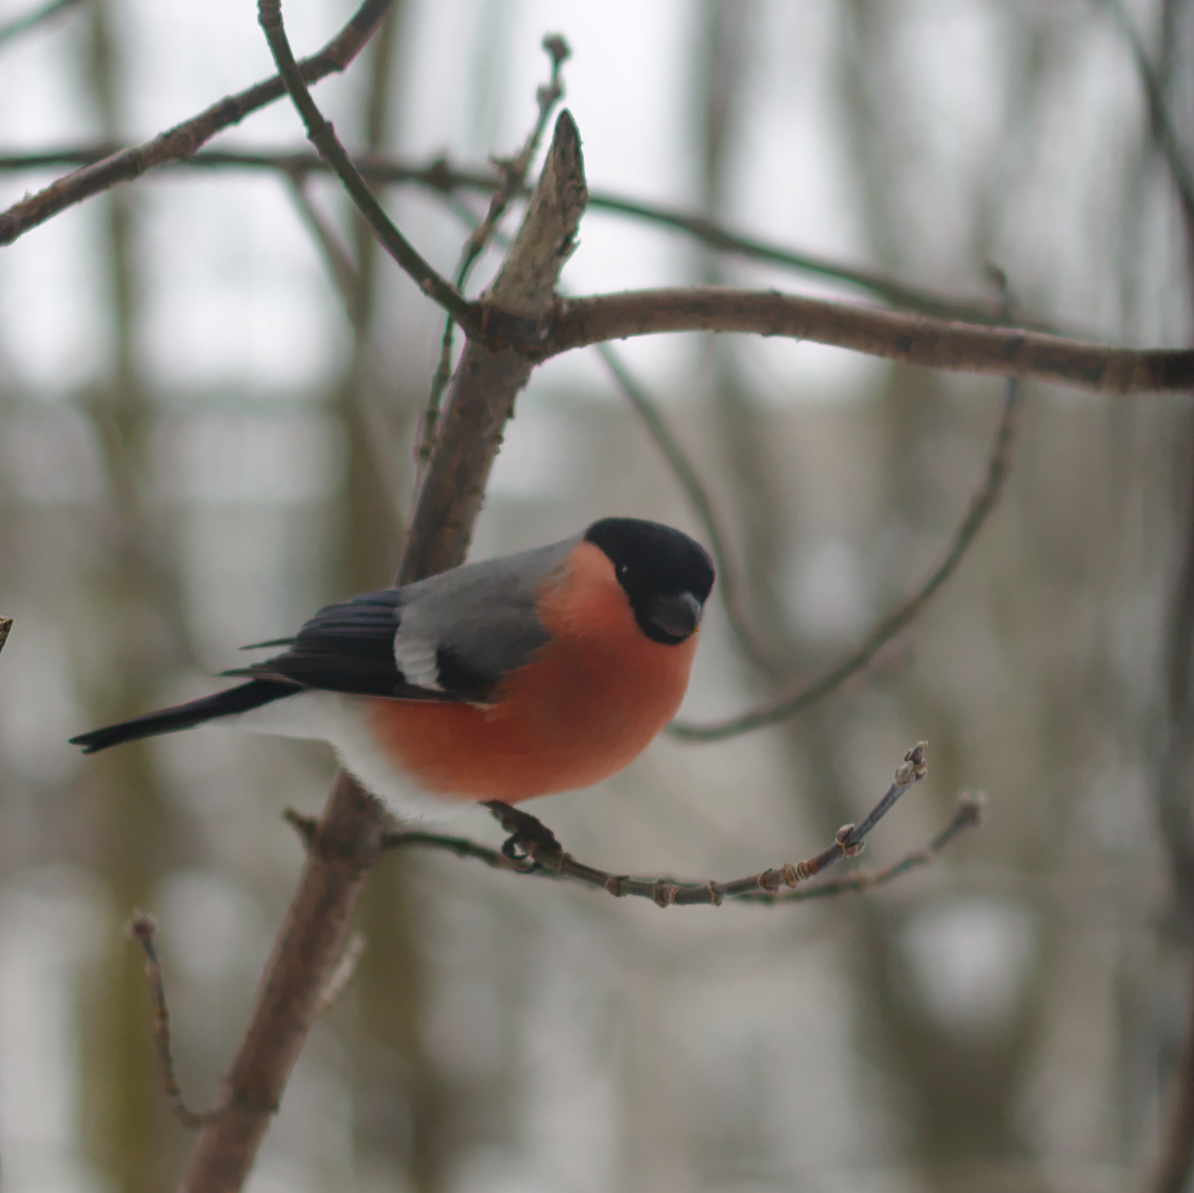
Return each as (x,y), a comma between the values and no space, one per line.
(186,716)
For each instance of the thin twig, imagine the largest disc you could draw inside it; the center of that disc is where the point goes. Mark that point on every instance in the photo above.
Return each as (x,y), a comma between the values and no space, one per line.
(142,928)
(698,497)
(532,841)
(513,171)
(31,20)
(340,264)
(5,626)
(323,137)
(981,506)
(441,177)
(380,435)
(1161,125)
(533,849)
(967,813)
(184,139)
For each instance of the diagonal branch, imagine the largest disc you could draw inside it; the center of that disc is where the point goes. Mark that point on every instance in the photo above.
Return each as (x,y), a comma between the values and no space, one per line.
(1160,121)
(183,139)
(488,378)
(698,496)
(513,172)
(38,16)
(323,137)
(142,929)
(980,509)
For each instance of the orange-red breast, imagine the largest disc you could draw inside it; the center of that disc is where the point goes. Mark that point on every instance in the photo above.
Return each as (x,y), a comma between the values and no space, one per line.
(516,677)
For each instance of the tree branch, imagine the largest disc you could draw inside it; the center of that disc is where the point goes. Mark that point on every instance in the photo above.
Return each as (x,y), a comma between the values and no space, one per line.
(488,379)
(513,174)
(142,928)
(1160,123)
(983,502)
(698,496)
(445,179)
(913,339)
(323,137)
(533,849)
(183,139)
(539,846)
(967,813)
(947,343)
(347,840)
(39,16)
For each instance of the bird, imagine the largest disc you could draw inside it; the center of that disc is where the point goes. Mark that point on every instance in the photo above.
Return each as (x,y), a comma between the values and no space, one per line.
(516,677)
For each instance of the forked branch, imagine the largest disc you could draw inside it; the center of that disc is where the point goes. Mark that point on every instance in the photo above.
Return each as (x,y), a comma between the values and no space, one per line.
(183,139)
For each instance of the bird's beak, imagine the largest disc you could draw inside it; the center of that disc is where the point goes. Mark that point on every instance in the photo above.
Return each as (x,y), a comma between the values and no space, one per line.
(677,616)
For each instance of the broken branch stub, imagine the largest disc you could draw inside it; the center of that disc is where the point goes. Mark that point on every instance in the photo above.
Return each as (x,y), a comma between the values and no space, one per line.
(488,380)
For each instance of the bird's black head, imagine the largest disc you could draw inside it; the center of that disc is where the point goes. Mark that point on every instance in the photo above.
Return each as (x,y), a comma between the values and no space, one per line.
(666,575)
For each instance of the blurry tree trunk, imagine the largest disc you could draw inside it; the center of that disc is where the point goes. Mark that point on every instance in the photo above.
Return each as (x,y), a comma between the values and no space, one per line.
(962,1097)
(132,613)
(963,1091)
(1174,781)
(397,1123)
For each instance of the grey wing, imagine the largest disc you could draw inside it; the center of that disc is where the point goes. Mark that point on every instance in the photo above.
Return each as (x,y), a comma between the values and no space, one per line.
(465,630)
(451,637)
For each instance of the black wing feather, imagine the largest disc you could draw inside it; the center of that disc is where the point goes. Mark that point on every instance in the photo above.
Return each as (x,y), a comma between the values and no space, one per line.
(349,647)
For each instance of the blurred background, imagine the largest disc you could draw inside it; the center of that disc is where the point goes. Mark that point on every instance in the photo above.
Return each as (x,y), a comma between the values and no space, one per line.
(198,448)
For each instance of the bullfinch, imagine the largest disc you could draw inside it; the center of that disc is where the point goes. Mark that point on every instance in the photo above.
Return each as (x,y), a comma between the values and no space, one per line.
(516,677)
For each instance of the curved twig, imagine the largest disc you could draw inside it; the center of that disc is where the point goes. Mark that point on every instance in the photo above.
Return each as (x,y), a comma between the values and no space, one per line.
(980,508)
(533,849)
(323,137)
(698,497)
(38,16)
(1160,121)
(513,174)
(142,928)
